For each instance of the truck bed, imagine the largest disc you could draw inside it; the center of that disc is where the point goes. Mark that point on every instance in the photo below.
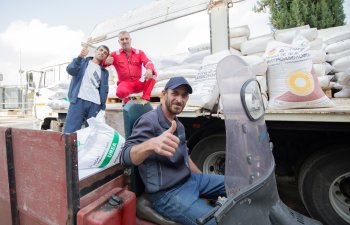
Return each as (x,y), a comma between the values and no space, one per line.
(339,113)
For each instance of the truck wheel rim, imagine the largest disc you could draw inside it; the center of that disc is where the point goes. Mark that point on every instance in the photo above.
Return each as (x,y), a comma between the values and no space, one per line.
(339,196)
(215,163)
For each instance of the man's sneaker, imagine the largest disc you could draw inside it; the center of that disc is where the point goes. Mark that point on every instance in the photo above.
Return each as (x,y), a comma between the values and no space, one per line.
(125,100)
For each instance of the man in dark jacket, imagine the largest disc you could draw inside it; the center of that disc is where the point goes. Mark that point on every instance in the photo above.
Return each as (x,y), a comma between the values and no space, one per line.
(157,145)
(88,89)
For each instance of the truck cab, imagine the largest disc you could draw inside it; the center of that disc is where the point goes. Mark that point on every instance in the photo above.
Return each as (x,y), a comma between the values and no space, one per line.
(50,87)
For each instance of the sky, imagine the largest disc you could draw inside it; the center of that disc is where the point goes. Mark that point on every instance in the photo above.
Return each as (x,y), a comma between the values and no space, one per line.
(45,32)
(35,34)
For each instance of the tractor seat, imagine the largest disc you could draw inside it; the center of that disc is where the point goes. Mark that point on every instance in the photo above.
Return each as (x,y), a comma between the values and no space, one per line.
(145,211)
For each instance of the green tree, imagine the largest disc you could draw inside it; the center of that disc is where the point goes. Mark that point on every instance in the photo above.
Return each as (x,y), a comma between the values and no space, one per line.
(337,11)
(291,13)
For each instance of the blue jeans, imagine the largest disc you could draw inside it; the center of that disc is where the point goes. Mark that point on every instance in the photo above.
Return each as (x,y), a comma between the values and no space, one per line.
(79,112)
(183,203)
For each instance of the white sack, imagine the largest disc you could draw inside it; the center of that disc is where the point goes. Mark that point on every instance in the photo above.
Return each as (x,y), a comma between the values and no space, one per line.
(322,69)
(157,91)
(196,57)
(344,93)
(324,81)
(316,44)
(287,36)
(341,64)
(318,56)
(112,90)
(338,46)
(198,48)
(167,74)
(265,100)
(194,66)
(257,64)
(257,44)
(343,78)
(236,42)
(292,82)
(99,145)
(205,88)
(239,31)
(339,36)
(260,54)
(333,56)
(235,52)
(263,83)
(162,83)
(169,61)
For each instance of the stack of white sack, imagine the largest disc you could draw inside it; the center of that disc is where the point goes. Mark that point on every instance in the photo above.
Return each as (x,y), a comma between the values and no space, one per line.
(59,97)
(185,64)
(256,45)
(337,47)
(189,65)
(99,145)
(251,51)
(238,35)
(292,82)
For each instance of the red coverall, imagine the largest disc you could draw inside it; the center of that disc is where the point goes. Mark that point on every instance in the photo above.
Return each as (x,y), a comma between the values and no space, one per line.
(130,71)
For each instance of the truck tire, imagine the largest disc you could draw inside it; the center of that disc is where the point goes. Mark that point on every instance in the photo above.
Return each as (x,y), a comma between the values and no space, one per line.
(209,154)
(324,185)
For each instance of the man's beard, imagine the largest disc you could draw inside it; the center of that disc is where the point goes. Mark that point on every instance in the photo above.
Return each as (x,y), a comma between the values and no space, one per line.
(170,109)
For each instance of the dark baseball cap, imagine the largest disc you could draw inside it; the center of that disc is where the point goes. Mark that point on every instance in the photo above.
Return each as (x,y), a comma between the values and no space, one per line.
(175,82)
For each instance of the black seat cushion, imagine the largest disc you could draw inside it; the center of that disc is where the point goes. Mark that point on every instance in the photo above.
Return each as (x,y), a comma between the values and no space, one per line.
(145,211)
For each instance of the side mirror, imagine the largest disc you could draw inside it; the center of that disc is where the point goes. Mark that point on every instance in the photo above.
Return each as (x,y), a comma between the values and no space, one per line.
(30,80)
(252,100)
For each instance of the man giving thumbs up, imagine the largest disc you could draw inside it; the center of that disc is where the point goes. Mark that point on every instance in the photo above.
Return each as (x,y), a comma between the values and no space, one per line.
(158,146)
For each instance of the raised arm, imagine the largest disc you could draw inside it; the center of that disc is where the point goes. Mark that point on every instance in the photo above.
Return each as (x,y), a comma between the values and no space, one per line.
(74,67)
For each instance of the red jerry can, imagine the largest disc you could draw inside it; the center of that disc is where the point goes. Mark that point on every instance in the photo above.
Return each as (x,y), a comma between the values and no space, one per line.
(117,207)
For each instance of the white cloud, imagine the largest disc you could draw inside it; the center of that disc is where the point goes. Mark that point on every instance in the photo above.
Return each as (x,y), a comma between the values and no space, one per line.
(194,30)
(242,14)
(39,44)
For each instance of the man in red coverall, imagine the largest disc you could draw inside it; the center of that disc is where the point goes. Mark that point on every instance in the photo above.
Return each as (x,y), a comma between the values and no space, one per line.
(128,64)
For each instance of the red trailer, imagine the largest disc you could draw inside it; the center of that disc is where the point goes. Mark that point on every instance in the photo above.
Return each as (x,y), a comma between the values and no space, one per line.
(39,183)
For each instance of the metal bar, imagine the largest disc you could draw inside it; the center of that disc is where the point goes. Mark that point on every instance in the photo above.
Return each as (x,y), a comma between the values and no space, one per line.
(167,16)
(73,198)
(11,177)
(131,28)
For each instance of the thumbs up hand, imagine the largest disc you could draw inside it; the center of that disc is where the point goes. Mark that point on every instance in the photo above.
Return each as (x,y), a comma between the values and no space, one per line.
(109,60)
(167,142)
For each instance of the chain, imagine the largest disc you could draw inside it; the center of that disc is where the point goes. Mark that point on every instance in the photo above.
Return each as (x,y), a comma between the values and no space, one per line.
(213,2)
